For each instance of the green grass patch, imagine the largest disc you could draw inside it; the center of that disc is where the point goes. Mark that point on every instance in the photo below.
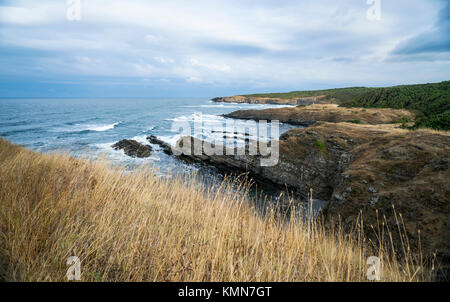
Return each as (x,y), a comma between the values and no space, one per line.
(321,145)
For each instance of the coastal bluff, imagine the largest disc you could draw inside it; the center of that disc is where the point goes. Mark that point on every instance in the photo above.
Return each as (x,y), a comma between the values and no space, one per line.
(391,176)
(270,100)
(308,115)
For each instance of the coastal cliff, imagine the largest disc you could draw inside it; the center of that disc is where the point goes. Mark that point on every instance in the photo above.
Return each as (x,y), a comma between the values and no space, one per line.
(307,115)
(269,100)
(361,162)
(138,226)
(394,177)
(430,102)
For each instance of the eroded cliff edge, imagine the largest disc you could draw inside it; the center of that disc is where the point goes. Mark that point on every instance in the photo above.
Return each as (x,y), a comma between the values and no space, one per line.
(363,170)
(240,99)
(307,115)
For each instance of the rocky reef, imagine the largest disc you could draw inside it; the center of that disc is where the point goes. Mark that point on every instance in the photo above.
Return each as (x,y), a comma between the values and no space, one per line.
(133,148)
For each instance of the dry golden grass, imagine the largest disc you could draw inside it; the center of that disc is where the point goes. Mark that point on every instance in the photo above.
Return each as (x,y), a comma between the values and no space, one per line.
(327,113)
(398,129)
(138,227)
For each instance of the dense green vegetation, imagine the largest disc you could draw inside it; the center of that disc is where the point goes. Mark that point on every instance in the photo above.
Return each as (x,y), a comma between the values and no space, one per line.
(430,102)
(339,94)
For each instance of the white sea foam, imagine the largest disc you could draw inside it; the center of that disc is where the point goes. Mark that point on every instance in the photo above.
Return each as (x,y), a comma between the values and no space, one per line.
(141,139)
(101,128)
(241,106)
(149,129)
(214,127)
(86,127)
(170,139)
(198,117)
(119,156)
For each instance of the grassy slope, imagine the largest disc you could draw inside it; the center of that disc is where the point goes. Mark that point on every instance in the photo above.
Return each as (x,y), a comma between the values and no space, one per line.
(338,93)
(431,102)
(137,227)
(326,113)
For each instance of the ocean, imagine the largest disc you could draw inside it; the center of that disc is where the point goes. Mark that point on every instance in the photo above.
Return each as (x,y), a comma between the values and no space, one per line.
(88,128)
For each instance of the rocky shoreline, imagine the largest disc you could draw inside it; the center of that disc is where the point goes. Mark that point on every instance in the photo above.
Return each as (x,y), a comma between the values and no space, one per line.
(372,168)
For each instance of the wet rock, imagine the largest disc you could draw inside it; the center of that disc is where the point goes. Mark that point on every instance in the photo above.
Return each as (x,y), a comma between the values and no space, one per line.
(164,146)
(133,148)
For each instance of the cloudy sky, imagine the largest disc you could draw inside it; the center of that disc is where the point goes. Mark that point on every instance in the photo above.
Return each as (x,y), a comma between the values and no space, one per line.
(145,48)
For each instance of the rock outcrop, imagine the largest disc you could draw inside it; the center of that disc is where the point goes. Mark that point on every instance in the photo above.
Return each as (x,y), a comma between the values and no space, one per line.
(361,168)
(133,148)
(276,101)
(197,153)
(308,115)
(165,146)
(401,179)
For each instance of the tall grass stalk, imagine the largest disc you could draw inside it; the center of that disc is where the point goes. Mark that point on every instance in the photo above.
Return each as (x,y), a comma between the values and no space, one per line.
(140,227)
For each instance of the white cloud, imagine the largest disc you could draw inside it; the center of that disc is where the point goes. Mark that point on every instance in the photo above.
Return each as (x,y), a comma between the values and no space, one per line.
(215,67)
(22,15)
(194,80)
(288,43)
(153,39)
(164,60)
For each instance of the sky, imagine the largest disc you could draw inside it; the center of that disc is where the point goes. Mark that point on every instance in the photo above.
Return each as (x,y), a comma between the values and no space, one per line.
(146,48)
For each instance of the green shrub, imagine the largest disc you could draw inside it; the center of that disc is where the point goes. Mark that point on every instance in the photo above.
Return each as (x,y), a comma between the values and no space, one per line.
(319,144)
(403,120)
(357,121)
(437,121)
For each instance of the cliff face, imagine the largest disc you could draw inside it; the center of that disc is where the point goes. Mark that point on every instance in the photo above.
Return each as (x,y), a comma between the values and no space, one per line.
(264,100)
(404,176)
(306,116)
(363,168)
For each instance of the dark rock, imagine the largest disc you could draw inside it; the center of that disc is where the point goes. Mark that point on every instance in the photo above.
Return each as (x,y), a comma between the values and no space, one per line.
(133,148)
(165,146)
